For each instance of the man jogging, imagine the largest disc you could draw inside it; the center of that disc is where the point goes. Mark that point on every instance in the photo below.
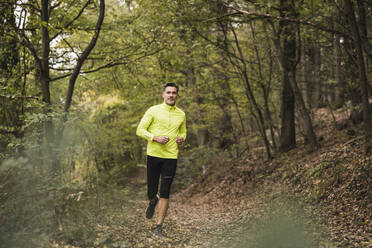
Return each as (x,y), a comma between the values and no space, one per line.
(164,127)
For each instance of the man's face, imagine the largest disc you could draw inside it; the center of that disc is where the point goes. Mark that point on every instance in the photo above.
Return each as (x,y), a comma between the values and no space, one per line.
(170,95)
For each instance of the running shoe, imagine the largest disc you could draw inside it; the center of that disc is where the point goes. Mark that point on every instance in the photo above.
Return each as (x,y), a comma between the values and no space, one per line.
(150,210)
(158,232)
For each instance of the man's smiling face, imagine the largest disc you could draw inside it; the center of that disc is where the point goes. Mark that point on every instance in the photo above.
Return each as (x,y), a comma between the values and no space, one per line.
(170,95)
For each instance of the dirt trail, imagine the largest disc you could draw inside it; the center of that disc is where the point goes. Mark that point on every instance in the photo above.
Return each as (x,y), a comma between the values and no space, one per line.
(199,221)
(300,199)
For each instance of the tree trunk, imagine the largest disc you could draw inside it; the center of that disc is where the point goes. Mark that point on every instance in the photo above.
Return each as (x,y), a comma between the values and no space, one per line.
(339,83)
(291,91)
(226,127)
(363,80)
(265,85)
(227,135)
(305,116)
(44,63)
(84,55)
(200,130)
(304,79)
(287,139)
(198,126)
(365,41)
(44,74)
(250,95)
(319,95)
(308,74)
(287,51)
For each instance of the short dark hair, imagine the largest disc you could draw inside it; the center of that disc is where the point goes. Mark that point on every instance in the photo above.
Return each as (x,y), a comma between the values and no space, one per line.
(170,84)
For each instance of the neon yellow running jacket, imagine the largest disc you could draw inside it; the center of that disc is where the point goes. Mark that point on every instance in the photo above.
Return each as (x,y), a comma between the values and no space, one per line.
(162,120)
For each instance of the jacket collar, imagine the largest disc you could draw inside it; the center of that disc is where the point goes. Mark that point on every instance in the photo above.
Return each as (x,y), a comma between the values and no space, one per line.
(168,107)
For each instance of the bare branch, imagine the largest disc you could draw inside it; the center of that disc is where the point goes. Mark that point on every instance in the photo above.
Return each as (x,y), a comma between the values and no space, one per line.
(55,6)
(106,66)
(73,20)
(279,18)
(30,6)
(85,55)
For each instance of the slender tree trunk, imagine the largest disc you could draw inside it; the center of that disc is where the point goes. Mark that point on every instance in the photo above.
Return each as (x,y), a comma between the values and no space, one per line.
(308,76)
(265,84)
(198,126)
(291,91)
(236,104)
(271,125)
(287,52)
(305,116)
(365,40)
(44,69)
(249,93)
(227,135)
(363,80)
(44,74)
(339,83)
(201,132)
(319,93)
(84,55)
(261,122)
(303,81)
(287,137)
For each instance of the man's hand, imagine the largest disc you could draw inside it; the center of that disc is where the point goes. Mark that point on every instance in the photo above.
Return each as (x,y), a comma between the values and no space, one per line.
(179,140)
(161,139)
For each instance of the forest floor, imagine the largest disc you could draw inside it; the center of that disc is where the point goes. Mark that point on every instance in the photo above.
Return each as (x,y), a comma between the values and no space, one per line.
(201,221)
(299,199)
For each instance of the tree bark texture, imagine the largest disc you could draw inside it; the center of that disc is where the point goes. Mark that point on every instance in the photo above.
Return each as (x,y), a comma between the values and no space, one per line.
(289,61)
(227,135)
(339,83)
(287,137)
(319,93)
(287,50)
(304,114)
(44,70)
(358,31)
(365,41)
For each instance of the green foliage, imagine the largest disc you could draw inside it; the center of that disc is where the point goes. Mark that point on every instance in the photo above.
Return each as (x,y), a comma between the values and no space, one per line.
(36,209)
(72,206)
(26,204)
(102,141)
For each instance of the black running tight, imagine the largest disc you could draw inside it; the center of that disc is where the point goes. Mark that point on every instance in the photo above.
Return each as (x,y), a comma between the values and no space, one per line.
(156,168)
